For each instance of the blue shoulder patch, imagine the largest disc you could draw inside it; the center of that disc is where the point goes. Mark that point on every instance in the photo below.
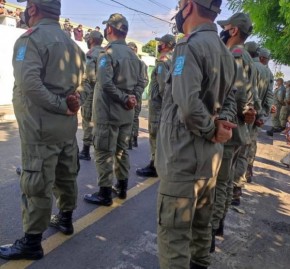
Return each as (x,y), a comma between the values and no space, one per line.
(179,65)
(21,53)
(159,69)
(102,62)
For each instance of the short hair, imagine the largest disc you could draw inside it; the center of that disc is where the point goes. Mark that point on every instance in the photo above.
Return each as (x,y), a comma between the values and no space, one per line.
(118,33)
(207,13)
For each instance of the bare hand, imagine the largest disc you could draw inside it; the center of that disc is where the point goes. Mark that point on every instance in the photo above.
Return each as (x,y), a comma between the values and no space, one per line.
(259,122)
(73,103)
(273,109)
(223,131)
(250,115)
(132,102)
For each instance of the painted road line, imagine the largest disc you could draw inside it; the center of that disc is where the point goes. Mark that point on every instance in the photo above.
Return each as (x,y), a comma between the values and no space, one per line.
(58,239)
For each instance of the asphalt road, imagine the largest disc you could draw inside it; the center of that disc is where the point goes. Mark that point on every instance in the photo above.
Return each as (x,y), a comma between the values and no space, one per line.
(257,234)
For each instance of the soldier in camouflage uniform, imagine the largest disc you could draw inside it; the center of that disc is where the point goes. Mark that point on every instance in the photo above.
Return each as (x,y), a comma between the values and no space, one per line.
(120,84)
(264,85)
(156,91)
(48,69)
(279,118)
(94,42)
(197,108)
(135,128)
(235,32)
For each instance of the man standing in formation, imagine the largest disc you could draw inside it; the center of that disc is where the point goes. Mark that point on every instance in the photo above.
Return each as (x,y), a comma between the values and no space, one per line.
(198,107)
(120,84)
(48,69)
(156,92)
(266,96)
(133,142)
(236,30)
(94,42)
(278,117)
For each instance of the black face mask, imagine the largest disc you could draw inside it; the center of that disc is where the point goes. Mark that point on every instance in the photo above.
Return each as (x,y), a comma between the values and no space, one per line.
(225,35)
(159,48)
(27,16)
(180,20)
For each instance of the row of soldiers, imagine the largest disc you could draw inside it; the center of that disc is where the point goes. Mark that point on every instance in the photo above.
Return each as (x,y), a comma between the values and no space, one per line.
(208,100)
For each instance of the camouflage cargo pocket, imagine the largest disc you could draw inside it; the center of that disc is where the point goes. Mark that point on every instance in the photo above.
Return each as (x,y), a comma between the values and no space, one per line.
(174,212)
(31,182)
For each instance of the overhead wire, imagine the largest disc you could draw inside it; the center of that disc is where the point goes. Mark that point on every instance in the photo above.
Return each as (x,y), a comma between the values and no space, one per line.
(157,18)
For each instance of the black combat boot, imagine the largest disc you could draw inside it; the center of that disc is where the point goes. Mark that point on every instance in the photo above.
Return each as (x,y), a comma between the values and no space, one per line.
(148,171)
(249,173)
(103,197)
(237,193)
(212,247)
(63,222)
(135,141)
(220,230)
(27,248)
(196,266)
(85,153)
(121,188)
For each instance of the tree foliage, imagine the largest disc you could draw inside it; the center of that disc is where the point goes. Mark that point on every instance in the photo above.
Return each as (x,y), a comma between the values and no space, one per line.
(271,20)
(150,47)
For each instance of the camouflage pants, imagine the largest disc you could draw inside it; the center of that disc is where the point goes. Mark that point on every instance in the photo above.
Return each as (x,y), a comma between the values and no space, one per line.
(47,170)
(111,154)
(184,229)
(86,112)
(276,122)
(284,113)
(135,126)
(241,167)
(253,147)
(153,126)
(230,185)
(224,184)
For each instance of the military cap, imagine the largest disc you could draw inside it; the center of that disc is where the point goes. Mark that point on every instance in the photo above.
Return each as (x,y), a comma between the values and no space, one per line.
(119,22)
(167,39)
(264,53)
(96,35)
(209,5)
(251,46)
(240,20)
(132,45)
(48,6)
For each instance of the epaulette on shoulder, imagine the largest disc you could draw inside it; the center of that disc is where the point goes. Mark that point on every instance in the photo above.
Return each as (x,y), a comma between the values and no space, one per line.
(29,31)
(237,52)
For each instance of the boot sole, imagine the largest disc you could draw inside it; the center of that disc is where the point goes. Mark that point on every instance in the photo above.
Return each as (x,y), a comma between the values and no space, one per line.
(23,257)
(64,231)
(98,203)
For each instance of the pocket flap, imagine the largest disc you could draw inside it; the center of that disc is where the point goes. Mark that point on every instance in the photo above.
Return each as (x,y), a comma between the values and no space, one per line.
(32,164)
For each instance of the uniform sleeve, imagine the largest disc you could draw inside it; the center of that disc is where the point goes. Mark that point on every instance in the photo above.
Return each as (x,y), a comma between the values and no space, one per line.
(187,79)
(255,76)
(139,89)
(105,80)
(268,101)
(162,71)
(89,78)
(229,109)
(28,67)
(145,72)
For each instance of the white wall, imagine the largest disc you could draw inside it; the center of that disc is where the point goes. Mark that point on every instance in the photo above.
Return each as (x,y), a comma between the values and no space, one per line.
(8,38)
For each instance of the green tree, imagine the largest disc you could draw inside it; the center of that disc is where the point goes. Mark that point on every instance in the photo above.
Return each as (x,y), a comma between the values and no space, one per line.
(279,74)
(271,20)
(150,47)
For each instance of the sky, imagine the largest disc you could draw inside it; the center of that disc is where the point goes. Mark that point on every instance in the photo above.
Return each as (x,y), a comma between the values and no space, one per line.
(143,28)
